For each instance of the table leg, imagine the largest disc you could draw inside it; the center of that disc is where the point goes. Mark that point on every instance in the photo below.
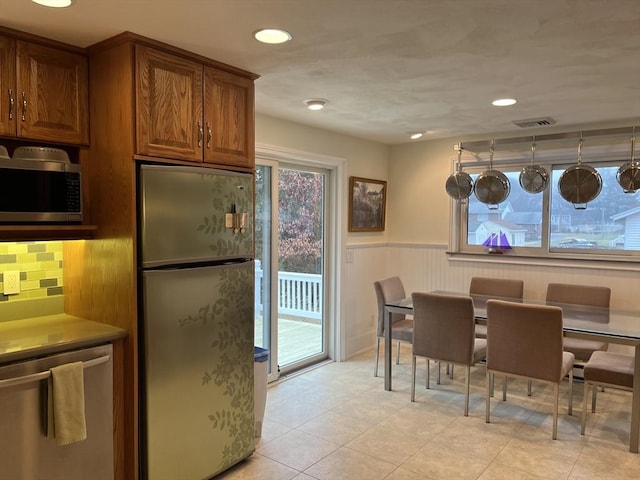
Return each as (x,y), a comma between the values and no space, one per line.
(635,405)
(387,349)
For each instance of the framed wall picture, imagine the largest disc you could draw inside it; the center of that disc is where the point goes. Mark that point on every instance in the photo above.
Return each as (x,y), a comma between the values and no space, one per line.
(367,204)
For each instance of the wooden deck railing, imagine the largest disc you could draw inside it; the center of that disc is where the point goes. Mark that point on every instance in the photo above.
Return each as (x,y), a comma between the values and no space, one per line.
(299,294)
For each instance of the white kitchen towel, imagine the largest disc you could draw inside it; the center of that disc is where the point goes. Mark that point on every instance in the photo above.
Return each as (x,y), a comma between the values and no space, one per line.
(66,416)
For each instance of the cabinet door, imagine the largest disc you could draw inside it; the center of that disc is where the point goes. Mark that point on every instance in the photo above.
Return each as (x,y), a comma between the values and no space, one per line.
(53,94)
(229,119)
(168,105)
(8,96)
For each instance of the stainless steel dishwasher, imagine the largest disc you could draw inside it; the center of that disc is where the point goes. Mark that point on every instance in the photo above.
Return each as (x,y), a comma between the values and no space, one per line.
(26,453)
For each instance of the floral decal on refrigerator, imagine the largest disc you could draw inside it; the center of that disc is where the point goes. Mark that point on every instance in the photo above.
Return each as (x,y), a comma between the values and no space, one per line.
(229,195)
(229,321)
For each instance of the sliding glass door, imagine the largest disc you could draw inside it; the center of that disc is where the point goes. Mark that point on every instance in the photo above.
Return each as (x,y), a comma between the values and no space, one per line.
(290,264)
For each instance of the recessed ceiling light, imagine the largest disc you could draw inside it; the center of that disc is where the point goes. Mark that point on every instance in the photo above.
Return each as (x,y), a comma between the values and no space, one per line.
(272,36)
(416,135)
(54,3)
(504,102)
(315,103)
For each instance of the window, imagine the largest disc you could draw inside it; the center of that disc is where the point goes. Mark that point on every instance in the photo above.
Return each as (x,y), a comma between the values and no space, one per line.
(545,224)
(603,225)
(519,218)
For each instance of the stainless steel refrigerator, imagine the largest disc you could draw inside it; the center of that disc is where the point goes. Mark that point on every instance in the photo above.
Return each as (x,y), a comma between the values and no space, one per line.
(196,344)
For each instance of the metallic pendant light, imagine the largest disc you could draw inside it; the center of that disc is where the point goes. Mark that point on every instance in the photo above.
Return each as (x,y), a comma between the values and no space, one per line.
(459,185)
(534,178)
(580,184)
(628,175)
(492,186)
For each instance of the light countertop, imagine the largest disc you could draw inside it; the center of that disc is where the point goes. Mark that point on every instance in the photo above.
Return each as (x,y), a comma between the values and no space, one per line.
(35,337)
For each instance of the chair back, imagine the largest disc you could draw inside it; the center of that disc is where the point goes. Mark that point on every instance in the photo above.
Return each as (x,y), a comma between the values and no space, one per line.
(496,286)
(388,290)
(524,339)
(579,294)
(443,327)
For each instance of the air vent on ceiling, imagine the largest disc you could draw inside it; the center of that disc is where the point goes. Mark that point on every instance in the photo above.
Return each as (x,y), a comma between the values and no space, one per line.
(534,122)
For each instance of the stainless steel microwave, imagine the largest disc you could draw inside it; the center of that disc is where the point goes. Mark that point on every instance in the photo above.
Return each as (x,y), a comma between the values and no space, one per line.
(40,191)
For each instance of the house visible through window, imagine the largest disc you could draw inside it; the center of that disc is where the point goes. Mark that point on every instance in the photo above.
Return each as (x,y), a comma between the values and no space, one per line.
(518,218)
(545,224)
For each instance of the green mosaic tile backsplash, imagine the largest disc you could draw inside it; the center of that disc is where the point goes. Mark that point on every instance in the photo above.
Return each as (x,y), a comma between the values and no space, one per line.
(40,267)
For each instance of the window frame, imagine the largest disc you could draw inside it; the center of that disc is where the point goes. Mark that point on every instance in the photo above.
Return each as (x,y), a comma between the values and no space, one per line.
(552,160)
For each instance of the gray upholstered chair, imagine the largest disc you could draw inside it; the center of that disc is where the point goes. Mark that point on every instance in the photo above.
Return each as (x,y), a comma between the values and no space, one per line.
(606,369)
(444,330)
(387,290)
(580,295)
(526,341)
(494,287)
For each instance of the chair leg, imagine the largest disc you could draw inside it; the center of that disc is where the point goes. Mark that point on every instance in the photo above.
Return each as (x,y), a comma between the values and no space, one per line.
(428,374)
(467,374)
(398,355)
(529,385)
(438,380)
(487,395)
(375,369)
(571,392)
(451,373)
(583,423)
(554,435)
(504,389)
(413,378)
(491,382)
(594,396)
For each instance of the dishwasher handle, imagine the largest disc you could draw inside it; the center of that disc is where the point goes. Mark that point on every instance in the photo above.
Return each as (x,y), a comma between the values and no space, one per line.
(36,377)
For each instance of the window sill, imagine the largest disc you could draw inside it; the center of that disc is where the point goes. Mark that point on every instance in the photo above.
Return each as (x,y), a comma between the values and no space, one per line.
(553,259)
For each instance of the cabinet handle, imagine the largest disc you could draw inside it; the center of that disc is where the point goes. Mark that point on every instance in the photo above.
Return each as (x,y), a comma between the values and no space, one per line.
(11,104)
(209,134)
(36,377)
(200,133)
(24,107)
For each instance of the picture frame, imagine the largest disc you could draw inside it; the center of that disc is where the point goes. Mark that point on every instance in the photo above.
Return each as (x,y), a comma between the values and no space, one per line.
(367,204)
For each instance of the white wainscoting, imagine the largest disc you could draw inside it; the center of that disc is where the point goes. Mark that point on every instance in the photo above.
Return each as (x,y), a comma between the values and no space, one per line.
(428,267)
(364,265)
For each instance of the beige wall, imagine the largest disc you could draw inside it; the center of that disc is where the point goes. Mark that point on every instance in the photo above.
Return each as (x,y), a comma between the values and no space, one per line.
(419,212)
(363,158)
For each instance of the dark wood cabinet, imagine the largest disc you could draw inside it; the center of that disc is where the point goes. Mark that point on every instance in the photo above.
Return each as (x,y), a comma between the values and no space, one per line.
(191,111)
(23,233)
(169,105)
(45,92)
(7,86)
(228,118)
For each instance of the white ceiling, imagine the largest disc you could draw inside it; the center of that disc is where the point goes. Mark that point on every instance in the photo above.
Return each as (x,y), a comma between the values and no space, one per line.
(389,67)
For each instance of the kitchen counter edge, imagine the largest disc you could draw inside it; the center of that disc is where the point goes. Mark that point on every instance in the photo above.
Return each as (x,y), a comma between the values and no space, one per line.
(40,336)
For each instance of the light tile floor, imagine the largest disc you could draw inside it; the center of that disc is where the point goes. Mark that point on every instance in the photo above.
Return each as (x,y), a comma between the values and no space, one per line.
(336,422)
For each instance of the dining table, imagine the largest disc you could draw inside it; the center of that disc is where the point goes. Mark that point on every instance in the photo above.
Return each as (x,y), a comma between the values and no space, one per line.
(611,325)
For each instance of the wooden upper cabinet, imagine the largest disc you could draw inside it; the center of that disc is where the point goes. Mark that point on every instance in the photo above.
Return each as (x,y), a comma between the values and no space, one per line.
(51,96)
(188,110)
(7,86)
(229,118)
(168,105)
